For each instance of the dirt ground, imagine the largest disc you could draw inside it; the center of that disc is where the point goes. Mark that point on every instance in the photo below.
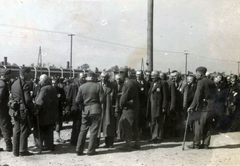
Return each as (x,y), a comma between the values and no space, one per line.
(224,150)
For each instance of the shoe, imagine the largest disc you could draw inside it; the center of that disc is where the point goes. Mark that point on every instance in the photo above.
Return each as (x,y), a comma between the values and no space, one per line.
(136,147)
(9,148)
(205,147)
(157,141)
(80,153)
(1,149)
(119,140)
(92,153)
(192,146)
(150,140)
(45,148)
(16,154)
(26,153)
(60,140)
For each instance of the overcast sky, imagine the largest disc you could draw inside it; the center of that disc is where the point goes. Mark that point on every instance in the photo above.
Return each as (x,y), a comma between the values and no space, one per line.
(114,32)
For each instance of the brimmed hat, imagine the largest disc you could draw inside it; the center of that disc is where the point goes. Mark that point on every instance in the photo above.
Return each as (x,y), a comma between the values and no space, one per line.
(25,69)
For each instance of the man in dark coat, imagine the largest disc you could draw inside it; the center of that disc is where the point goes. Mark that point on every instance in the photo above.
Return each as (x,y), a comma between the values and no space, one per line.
(130,104)
(201,109)
(108,120)
(5,119)
(90,95)
(20,92)
(47,111)
(76,110)
(143,87)
(61,99)
(233,104)
(158,96)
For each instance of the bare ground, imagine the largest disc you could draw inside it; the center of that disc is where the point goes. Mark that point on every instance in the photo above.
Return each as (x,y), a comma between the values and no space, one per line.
(224,150)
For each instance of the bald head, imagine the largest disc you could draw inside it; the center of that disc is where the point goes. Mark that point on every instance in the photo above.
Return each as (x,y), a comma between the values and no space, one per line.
(155,75)
(44,79)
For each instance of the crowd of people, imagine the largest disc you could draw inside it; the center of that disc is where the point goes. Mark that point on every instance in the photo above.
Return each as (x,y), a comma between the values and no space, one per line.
(150,106)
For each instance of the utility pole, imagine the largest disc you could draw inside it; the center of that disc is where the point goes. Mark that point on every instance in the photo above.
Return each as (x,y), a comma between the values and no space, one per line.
(150,35)
(39,64)
(71,55)
(186,54)
(238,67)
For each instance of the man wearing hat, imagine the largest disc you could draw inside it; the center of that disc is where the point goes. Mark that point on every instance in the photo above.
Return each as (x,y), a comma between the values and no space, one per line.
(158,97)
(130,114)
(201,109)
(5,119)
(20,92)
(90,95)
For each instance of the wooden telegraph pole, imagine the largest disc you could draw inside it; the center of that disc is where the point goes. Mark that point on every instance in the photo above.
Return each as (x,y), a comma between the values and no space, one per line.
(150,35)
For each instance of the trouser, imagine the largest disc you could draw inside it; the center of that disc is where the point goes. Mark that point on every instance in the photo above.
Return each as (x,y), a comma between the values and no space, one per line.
(202,129)
(76,117)
(117,126)
(88,122)
(143,127)
(46,134)
(129,126)
(20,135)
(109,141)
(157,127)
(7,129)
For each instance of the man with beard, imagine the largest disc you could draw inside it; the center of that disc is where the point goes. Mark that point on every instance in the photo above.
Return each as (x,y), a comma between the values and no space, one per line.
(202,108)
(76,110)
(108,120)
(47,111)
(21,93)
(158,96)
(5,119)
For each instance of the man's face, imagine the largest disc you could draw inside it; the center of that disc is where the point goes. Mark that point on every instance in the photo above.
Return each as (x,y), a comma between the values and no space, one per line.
(198,75)
(233,80)
(174,77)
(104,78)
(7,77)
(190,80)
(138,76)
(154,76)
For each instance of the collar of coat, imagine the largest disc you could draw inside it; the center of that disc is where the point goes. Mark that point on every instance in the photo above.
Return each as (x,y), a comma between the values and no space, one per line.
(157,85)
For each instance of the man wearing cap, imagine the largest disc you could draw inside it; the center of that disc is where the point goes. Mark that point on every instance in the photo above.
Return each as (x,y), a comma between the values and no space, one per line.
(20,92)
(143,87)
(90,95)
(201,109)
(158,96)
(130,115)
(108,119)
(5,119)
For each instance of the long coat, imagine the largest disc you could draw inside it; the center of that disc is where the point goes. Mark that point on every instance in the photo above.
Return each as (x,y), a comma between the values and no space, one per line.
(158,95)
(47,103)
(4,95)
(108,120)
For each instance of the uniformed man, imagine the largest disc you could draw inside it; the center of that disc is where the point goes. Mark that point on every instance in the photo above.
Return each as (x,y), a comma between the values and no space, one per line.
(202,108)
(158,96)
(130,104)
(108,119)
(47,112)
(20,92)
(90,95)
(5,119)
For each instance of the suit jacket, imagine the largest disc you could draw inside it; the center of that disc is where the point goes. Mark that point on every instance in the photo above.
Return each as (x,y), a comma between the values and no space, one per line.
(158,96)
(205,95)
(4,97)
(47,104)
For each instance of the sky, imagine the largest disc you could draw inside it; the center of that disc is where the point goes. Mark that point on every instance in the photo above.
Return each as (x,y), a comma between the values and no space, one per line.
(114,32)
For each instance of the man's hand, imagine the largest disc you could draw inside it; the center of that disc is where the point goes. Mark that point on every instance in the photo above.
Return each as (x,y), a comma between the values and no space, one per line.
(163,110)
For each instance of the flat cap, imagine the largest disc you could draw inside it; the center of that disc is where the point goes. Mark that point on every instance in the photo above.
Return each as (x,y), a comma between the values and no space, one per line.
(201,69)
(4,72)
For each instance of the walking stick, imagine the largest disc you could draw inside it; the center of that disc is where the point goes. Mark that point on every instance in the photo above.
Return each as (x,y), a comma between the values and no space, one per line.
(185,132)
(39,135)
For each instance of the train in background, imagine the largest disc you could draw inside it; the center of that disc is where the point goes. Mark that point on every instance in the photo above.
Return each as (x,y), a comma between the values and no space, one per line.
(37,71)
